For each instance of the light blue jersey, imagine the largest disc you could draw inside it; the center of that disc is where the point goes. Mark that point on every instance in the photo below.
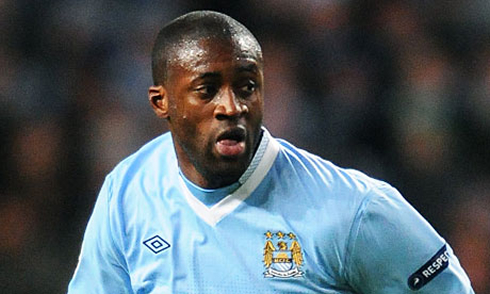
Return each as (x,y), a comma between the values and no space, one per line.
(294,223)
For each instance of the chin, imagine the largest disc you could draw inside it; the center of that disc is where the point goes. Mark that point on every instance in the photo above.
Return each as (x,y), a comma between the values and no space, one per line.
(229,168)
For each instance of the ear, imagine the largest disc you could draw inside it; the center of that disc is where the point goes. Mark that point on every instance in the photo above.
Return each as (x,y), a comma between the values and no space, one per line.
(158,100)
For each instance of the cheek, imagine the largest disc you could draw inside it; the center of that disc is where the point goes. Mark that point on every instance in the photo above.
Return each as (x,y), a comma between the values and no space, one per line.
(256,109)
(179,122)
(180,113)
(193,122)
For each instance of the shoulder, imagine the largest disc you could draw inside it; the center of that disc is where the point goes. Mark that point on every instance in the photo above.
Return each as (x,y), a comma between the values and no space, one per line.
(320,171)
(155,158)
(133,185)
(348,194)
(158,147)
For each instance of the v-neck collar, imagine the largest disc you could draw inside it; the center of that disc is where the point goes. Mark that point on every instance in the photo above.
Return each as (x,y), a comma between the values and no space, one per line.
(259,166)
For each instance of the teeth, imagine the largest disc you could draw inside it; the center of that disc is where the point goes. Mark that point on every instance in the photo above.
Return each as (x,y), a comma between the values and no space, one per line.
(228,142)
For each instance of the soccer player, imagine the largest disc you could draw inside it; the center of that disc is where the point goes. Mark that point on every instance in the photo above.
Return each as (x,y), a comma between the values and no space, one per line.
(218,205)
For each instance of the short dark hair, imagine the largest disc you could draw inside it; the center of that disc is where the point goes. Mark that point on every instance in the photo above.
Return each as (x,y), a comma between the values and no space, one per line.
(193,26)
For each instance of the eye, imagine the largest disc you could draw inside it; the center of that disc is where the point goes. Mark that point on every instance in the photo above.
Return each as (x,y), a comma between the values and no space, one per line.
(207,90)
(248,88)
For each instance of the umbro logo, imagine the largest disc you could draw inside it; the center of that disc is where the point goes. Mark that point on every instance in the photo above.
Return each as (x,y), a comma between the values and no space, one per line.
(156,244)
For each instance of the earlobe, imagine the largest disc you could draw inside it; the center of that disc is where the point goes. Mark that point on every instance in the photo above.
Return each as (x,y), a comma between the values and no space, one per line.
(158,100)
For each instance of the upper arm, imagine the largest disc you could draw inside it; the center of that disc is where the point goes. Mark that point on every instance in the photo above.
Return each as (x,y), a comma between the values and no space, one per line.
(101,267)
(390,242)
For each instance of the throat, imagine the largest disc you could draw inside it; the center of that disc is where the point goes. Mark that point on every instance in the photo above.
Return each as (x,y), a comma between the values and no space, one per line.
(209,196)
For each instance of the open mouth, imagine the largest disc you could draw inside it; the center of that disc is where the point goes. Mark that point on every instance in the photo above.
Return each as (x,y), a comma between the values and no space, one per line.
(231,143)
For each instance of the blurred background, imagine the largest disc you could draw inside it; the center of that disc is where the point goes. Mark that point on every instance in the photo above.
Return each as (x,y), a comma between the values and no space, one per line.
(397,89)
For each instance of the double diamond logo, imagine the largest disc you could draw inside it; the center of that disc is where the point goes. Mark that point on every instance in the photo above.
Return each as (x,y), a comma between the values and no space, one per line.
(156,244)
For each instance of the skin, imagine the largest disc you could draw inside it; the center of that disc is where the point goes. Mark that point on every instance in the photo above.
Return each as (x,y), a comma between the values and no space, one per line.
(213,102)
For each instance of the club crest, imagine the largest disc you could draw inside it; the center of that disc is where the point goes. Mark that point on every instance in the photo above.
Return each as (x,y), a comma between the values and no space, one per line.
(282,255)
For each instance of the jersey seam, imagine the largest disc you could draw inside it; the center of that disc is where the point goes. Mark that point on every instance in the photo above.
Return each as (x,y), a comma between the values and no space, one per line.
(114,247)
(354,233)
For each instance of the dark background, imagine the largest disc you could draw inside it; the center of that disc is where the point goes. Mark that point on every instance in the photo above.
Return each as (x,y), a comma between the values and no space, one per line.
(400,91)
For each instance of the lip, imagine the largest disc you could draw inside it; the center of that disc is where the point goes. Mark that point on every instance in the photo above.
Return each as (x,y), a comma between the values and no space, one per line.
(231,142)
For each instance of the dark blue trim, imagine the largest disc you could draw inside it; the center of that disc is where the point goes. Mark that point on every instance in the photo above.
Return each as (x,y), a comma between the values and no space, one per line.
(429,270)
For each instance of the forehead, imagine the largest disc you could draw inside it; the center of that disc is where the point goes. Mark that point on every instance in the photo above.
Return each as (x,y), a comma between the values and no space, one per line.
(195,54)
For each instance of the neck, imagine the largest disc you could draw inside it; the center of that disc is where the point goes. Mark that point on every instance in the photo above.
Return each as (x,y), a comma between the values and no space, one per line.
(206,178)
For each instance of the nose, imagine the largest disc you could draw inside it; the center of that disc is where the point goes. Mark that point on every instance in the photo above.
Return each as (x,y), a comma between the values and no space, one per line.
(228,106)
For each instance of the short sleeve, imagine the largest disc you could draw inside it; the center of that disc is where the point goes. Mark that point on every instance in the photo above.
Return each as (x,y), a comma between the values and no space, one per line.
(101,267)
(393,249)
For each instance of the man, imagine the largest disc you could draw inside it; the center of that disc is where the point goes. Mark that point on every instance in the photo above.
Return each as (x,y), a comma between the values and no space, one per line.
(220,206)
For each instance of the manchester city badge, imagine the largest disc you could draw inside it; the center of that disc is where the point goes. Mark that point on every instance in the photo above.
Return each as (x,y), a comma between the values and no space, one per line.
(282,255)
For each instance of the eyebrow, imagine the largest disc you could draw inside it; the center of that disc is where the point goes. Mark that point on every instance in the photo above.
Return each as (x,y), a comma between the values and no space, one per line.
(252,67)
(205,76)
(208,75)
